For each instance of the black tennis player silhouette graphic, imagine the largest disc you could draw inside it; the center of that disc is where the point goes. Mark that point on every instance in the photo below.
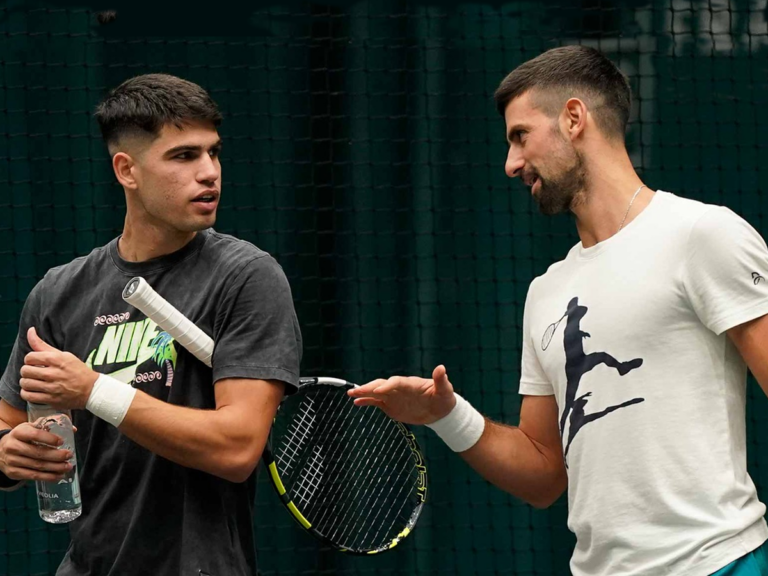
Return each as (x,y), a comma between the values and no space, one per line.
(578,363)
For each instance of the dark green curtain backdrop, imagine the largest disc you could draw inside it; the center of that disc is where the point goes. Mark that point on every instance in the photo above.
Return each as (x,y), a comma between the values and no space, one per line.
(363,150)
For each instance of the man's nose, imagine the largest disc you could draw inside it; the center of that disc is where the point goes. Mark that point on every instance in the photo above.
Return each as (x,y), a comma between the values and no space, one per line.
(209,170)
(514,164)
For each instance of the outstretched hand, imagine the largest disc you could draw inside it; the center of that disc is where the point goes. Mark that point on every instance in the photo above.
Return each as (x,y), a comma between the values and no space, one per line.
(409,399)
(50,376)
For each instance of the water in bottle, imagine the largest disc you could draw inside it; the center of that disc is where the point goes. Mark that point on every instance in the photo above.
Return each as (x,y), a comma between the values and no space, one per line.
(58,502)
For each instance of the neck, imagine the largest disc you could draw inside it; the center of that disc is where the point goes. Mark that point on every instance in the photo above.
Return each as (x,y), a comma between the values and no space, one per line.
(612,182)
(142,241)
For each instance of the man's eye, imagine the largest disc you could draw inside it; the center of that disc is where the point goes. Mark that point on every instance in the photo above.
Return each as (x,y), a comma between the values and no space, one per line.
(214,152)
(183,156)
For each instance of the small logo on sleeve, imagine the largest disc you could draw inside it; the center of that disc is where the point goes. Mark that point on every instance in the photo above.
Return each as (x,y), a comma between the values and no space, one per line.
(756,278)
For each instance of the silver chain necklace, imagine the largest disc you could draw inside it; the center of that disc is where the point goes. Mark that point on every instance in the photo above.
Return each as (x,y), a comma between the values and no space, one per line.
(629,207)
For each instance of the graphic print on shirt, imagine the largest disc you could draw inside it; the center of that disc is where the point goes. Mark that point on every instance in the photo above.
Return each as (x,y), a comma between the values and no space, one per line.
(135,353)
(577,364)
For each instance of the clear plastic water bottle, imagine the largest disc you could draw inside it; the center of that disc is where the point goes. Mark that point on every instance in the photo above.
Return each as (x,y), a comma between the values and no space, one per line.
(58,502)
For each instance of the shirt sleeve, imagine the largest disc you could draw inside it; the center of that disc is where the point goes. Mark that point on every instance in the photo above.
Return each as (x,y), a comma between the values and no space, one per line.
(726,270)
(533,379)
(32,314)
(257,333)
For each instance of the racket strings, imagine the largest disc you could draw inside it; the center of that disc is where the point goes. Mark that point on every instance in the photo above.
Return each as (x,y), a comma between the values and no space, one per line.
(361,502)
(295,438)
(342,483)
(550,332)
(354,476)
(309,483)
(374,491)
(390,517)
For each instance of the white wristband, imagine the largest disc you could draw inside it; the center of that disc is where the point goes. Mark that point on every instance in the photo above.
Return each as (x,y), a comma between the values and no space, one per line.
(110,399)
(461,428)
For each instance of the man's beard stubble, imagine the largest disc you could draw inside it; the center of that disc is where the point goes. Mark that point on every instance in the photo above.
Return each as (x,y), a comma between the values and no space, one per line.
(561,193)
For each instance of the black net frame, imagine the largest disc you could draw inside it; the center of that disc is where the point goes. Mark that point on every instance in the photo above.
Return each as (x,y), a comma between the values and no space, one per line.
(364,152)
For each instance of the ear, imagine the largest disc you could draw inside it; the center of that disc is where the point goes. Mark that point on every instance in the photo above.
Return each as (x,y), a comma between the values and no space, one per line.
(574,117)
(124,166)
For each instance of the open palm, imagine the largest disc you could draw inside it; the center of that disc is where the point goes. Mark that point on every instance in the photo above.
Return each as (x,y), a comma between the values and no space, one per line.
(409,399)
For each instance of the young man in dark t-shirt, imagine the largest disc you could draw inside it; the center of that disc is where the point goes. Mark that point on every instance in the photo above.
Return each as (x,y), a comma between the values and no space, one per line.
(167,447)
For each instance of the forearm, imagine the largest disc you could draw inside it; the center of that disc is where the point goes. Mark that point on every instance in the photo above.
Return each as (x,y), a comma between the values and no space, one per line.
(226,442)
(518,464)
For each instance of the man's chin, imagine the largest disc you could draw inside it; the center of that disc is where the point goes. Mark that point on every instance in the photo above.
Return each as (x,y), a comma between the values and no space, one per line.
(199,225)
(549,205)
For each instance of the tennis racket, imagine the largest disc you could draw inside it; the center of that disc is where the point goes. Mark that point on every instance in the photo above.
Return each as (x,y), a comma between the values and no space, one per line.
(349,475)
(548,333)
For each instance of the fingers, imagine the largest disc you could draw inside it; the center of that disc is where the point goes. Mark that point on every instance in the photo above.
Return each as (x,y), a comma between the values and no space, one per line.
(383,387)
(440,378)
(42,359)
(365,389)
(25,457)
(31,435)
(36,391)
(369,402)
(17,473)
(31,385)
(35,372)
(31,464)
(38,398)
(389,385)
(37,343)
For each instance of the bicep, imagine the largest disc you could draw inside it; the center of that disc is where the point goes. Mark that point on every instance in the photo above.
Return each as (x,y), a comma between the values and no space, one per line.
(751,339)
(10,415)
(251,403)
(539,421)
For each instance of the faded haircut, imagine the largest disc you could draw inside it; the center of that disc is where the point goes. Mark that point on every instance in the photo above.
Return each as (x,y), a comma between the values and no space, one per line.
(142,105)
(572,72)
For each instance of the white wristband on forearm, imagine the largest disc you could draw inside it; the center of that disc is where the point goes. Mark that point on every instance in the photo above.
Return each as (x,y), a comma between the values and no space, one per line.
(110,399)
(461,428)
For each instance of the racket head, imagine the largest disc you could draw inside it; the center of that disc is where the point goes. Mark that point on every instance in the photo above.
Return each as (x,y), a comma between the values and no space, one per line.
(349,475)
(548,334)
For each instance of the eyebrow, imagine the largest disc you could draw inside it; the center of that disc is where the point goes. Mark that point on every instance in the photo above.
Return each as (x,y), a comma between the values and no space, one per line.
(191,148)
(514,129)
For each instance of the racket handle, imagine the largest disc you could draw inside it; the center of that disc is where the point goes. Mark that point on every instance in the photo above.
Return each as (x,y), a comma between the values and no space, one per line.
(142,296)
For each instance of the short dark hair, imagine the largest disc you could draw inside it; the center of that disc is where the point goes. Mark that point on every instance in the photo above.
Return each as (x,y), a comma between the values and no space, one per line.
(144,104)
(567,72)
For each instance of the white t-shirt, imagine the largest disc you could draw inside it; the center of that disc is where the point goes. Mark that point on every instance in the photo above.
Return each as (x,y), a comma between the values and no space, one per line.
(651,393)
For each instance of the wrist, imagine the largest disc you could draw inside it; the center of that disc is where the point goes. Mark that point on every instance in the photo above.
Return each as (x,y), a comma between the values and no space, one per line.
(110,399)
(453,401)
(461,428)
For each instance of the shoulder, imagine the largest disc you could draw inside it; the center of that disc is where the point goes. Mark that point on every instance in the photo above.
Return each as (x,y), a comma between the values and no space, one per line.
(712,237)
(229,247)
(552,272)
(687,215)
(708,226)
(720,232)
(237,258)
(58,276)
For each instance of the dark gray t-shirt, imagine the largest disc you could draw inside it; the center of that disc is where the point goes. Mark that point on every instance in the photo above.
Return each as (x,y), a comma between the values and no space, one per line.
(143,514)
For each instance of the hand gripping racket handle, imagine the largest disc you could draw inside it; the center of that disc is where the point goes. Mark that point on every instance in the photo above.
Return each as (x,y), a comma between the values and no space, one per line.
(141,295)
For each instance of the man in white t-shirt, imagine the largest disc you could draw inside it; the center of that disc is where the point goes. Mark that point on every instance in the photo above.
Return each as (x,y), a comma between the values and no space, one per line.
(635,347)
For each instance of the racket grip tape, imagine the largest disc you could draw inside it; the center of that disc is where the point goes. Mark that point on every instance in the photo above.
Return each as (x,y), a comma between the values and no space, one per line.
(142,296)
